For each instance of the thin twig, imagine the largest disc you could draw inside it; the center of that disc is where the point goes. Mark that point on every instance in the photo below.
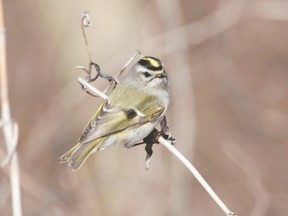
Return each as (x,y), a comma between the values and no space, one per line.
(9,128)
(128,63)
(174,151)
(14,143)
(91,88)
(85,23)
(197,175)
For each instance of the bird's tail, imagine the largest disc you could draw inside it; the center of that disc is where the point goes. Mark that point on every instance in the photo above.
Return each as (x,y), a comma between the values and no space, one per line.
(77,155)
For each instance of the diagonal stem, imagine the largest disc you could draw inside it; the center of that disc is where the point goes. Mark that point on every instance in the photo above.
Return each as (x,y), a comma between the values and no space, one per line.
(177,154)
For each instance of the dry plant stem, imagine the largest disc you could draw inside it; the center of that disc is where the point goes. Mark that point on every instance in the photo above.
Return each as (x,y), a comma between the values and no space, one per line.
(91,88)
(174,151)
(197,175)
(128,63)
(85,23)
(9,133)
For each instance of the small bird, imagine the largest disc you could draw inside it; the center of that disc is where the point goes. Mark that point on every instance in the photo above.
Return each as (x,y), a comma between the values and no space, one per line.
(130,113)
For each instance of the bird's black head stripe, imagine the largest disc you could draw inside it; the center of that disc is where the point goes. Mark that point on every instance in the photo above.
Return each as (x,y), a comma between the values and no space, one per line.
(151,63)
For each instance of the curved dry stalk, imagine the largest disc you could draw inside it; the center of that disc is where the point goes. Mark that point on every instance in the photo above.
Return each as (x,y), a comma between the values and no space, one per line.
(85,23)
(176,153)
(10,128)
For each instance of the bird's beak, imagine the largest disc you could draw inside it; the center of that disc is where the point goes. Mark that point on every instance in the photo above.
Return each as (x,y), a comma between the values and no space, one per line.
(161,75)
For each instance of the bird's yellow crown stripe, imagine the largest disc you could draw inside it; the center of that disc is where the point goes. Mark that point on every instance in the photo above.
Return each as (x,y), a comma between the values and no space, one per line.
(153,62)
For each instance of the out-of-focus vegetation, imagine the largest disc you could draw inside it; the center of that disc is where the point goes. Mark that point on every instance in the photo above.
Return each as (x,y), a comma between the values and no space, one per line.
(227,63)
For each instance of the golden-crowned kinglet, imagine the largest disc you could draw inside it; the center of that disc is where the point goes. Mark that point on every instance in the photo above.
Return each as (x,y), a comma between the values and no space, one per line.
(131,112)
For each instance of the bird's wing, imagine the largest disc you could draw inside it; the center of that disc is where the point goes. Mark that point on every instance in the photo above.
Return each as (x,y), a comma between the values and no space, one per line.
(112,119)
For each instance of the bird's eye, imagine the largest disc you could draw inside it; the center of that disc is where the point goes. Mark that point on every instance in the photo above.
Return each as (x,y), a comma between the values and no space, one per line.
(147,74)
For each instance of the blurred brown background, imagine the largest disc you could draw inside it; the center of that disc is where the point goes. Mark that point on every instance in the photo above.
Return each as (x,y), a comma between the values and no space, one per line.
(227,62)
